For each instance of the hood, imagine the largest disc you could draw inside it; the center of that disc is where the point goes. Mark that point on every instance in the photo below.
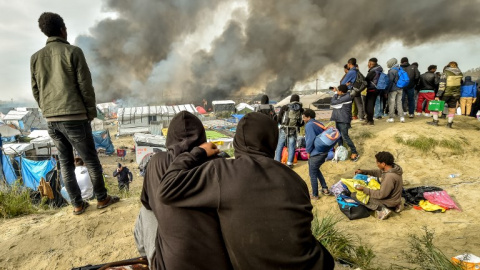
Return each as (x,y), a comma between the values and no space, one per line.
(184,133)
(396,170)
(294,97)
(264,99)
(376,68)
(468,79)
(455,71)
(257,134)
(391,62)
(404,64)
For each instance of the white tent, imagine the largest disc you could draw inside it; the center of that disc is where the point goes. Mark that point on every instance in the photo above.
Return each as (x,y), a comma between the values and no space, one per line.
(7,131)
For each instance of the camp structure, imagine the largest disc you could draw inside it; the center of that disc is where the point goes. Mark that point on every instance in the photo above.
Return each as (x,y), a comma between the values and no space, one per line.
(244,108)
(223,106)
(146,144)
(25,119)
(108,109)
(103,142)
(8,133)
(147,118)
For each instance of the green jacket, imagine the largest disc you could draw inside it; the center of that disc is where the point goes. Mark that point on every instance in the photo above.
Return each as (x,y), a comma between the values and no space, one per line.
(61,80)
(450,82)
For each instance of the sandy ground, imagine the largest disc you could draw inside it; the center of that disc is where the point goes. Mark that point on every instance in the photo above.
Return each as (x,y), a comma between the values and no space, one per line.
(55,239)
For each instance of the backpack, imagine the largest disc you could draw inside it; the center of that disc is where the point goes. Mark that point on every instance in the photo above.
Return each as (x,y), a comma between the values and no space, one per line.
(382,82)
(293,116)
(351,208)
(341,154)
(266,109)
(360,82)
(327,139)
(403,79)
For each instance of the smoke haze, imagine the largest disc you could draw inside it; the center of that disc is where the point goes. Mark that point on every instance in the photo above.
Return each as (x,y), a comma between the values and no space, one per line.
(150,54)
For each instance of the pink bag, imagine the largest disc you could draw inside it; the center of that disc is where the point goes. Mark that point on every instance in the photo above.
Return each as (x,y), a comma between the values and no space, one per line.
(302,154)
(441,198)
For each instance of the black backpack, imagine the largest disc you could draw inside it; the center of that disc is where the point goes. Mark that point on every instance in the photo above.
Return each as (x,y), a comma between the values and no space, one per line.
(292,117)
(360,83)
(268,110)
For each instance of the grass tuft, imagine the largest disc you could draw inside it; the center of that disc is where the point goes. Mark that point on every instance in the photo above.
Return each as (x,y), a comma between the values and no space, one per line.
(15,201)
(427,144)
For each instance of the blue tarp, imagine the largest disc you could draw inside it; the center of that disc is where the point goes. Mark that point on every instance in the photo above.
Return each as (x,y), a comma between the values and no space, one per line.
(8,171)
(33,171)
(102,140)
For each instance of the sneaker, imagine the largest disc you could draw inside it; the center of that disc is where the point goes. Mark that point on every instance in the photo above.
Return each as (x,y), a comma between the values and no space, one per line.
(384,213)
(378,117)
(418,114)
(354,118)
(326,192)
(390,120)
(354,157)
(410,116)
(313,197)
(405,113)
(427,115)
(401,206)
(402,119)
(368,123)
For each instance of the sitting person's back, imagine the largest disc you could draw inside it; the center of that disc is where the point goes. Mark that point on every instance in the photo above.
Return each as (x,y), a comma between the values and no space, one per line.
(84,181)
(263,207)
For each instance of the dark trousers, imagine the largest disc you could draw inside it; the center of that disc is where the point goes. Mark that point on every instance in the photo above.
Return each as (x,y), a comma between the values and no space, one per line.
(410,97)
(370,100)
(77,134)
(343,128)
(359,104)
(123,186)
(314,164)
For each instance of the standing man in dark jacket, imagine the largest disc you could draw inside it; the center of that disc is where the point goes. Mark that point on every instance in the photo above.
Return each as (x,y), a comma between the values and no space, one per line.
(62,87)
(409,90)
(185,238)
(266,108)
(342,115)
(312,129)
(263,207)
(374,70)
(426,85)
(290,120)
(124,177)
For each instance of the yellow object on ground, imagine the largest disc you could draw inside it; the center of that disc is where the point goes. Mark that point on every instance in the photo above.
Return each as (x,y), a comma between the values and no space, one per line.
(430,207)
(361,196)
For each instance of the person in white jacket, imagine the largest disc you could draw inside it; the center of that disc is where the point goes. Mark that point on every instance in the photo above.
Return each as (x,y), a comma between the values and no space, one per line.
(83,180)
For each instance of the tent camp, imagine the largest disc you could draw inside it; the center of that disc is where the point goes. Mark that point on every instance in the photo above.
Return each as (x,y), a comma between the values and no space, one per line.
(139,119)
(146,144)
(8,134)
(244,108)
(25,119)
(223,106)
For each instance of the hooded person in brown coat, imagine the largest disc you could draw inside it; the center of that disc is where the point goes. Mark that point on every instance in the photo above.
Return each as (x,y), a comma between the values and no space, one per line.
(186,238)
(263,207)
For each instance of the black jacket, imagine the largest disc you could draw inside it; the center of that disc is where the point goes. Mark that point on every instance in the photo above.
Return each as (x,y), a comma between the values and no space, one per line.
(428,81)
(413,74)
(124,176)
(186,238)
(263,207)
(372,77)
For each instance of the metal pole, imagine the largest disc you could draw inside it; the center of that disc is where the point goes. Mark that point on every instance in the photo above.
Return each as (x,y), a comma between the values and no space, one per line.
(316,86)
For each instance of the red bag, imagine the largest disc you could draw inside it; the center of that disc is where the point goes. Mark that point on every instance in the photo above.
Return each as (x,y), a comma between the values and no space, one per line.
(285,156)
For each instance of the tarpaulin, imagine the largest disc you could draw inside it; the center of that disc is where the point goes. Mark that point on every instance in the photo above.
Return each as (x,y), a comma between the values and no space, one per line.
(8,171)
(102,140)
(33,171)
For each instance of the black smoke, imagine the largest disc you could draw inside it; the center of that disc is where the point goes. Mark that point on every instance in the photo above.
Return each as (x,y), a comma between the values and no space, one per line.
(275,45)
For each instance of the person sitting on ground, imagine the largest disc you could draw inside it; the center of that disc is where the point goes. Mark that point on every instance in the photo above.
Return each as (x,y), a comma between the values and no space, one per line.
(83,180)
(342,115)
(174,237)
(391,185)
(317,158)
(263,207)
(124,177)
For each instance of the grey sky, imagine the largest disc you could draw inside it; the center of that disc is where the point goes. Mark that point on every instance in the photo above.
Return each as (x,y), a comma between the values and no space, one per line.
(21,37)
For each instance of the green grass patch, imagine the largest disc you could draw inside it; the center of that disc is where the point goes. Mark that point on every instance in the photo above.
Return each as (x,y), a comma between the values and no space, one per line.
(15,201)
(426,255)
(362,135)
(343,247)
(427,144)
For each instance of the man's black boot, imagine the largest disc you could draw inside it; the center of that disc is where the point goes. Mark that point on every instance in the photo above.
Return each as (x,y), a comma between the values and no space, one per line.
(449,125)
(433,123)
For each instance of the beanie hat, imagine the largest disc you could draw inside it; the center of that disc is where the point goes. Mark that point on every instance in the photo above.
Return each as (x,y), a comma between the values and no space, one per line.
(392,62)
(294,97)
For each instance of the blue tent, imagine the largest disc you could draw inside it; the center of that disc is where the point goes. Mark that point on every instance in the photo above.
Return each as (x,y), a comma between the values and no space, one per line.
(8,171)
(102,140)
(33,171)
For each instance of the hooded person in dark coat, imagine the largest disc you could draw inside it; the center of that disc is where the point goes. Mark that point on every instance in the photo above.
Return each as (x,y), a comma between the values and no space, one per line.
(186,238)
(266,108)
(263,207)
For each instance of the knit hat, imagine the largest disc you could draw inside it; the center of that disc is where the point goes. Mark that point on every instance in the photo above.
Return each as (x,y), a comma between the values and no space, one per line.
(392,62)
(294,97)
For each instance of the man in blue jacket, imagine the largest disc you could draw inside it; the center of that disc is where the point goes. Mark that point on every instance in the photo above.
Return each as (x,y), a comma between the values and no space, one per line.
(349,80)
(317,158)
(342,115)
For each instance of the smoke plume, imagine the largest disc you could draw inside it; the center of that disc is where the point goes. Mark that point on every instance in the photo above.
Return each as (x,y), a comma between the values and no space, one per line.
(270,46)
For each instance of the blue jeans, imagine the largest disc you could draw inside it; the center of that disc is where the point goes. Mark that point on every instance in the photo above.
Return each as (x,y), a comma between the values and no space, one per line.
(314,164)
(379,106)
(343,128)
(410,93)
(292,140)
(77,134)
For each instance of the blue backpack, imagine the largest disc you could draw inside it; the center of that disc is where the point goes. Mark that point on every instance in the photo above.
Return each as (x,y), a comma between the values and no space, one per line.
(326,140)
(383,81)
(403,79)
